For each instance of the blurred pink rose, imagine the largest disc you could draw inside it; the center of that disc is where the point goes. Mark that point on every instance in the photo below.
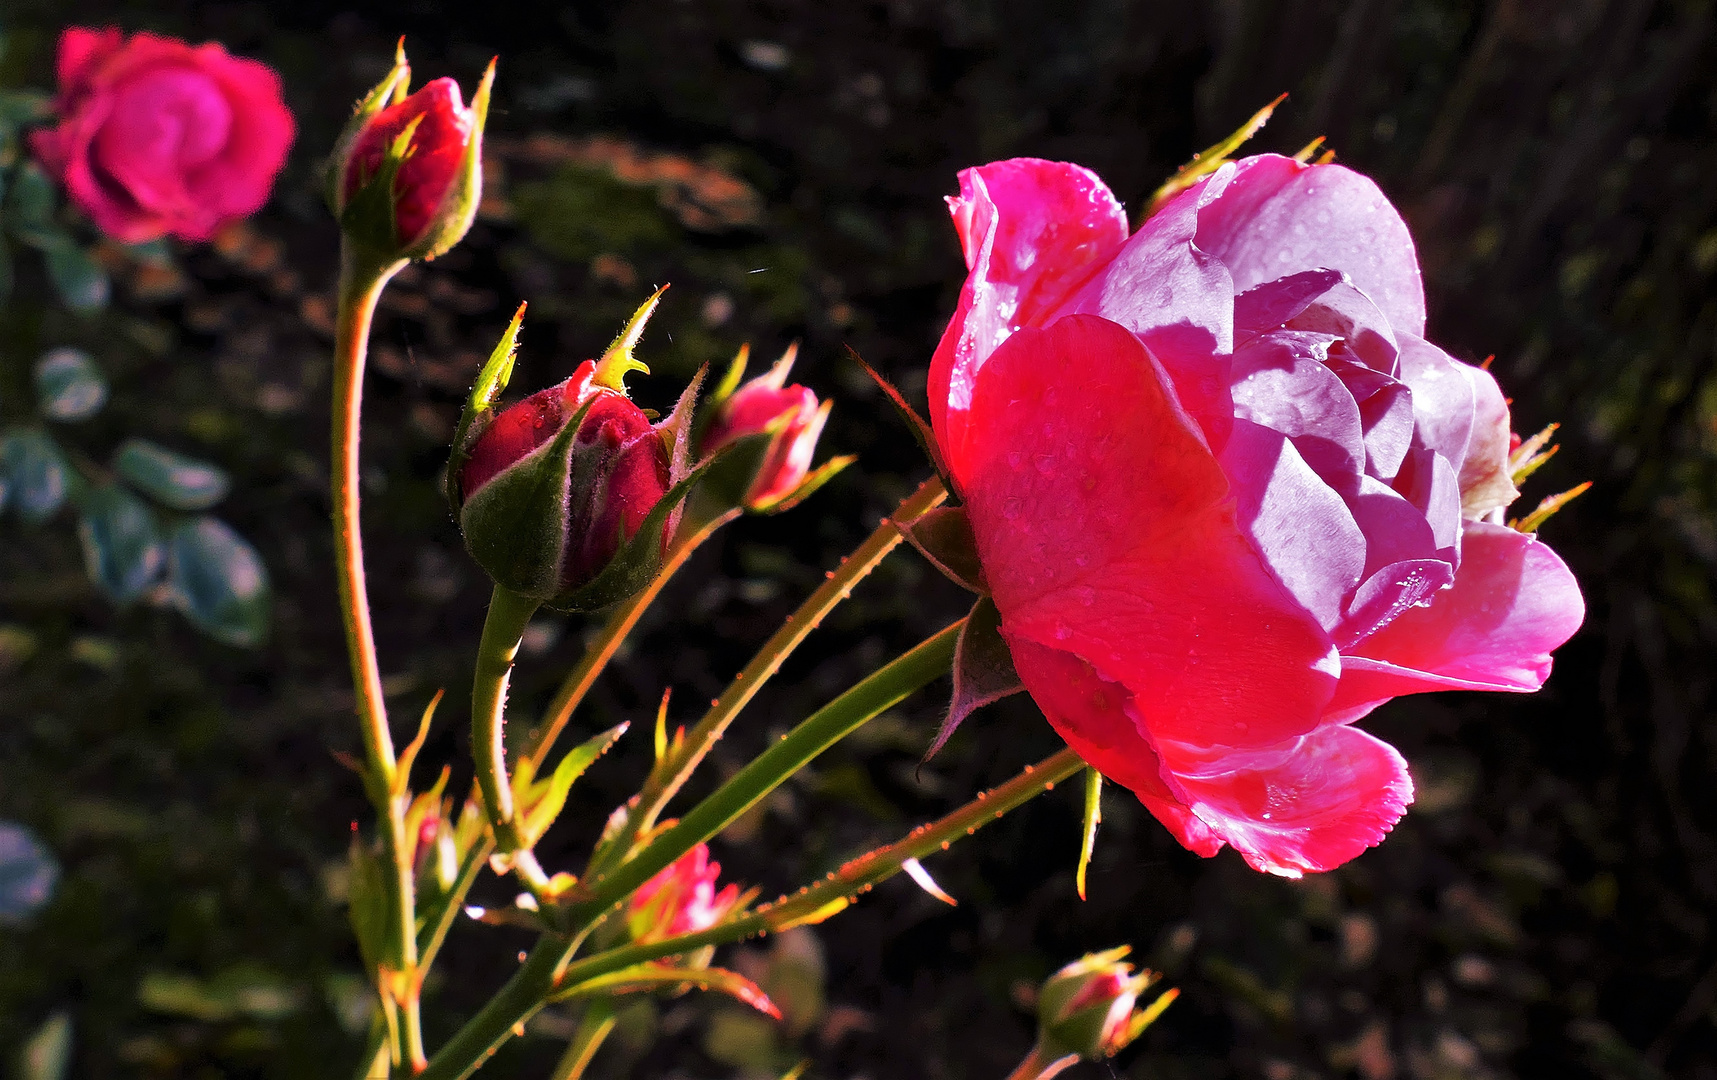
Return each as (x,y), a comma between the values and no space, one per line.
(753,409)
(157,136)
(681,899)
(1228,498)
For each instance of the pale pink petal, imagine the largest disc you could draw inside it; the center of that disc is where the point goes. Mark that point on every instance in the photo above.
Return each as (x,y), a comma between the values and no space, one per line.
(1443,397)
(1278,217)
(1485,481)
(1105,530)
(1511,604)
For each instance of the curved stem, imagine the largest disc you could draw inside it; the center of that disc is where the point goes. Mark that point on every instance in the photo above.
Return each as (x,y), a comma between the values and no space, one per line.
(1039,1066)
(361,285)
(503,629)
(529,988)
(625,616)
(360,288)
(593,1028)
(662,786)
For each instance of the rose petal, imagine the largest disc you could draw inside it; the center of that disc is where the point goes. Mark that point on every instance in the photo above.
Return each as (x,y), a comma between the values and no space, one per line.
(1265,307)
(1178,300)
(1443,397)
(1295,520)
(81,51)
(1089,712)
(1279,384)
(1305,807)
(1485,481)
(1346,313)
(1104,530)
(1512,602)
(1032,232)
(1278,217)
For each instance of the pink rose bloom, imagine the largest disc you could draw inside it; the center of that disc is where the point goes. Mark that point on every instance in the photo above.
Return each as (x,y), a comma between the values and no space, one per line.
(157,136)
(680,899)
(1228,498)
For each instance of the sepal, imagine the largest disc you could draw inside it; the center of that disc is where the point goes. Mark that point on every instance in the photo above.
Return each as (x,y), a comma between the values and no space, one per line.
(919,427)
(1208,161)
(944,535)
(540,802)
(983,669)
(479,409)
(645,978)
(390,91)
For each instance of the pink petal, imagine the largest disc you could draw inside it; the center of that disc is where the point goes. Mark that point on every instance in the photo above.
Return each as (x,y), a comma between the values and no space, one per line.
(1443,397)
(1265,307)
(1280,382)
(1305,806)
(1295,520)
(1090,713)
(1278,217)
(1105,530)
(1032,232)
(1178,300)
(81,51)
(1485,481)
(1512,602)
(238,181)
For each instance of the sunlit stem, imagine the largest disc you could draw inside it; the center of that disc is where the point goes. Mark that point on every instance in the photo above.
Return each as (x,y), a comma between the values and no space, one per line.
(593,1028)
(547,969)
(663,785)
(362,280)
(1040,1066)
(607,642)
(503,629)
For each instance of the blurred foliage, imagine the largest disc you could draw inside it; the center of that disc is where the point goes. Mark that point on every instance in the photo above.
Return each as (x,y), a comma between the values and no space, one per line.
(1546,909)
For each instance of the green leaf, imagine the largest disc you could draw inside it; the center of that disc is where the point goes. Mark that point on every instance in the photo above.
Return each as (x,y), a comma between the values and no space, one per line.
(27,873)
(35,472)
(983,669)
(548,806)
(69,385)
(171,479)
(219,581)
(29,210)
(49,1051)
(122,547)
(78,278)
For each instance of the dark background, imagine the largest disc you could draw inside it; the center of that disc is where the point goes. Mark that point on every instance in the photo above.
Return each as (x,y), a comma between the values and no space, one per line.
(1545,910)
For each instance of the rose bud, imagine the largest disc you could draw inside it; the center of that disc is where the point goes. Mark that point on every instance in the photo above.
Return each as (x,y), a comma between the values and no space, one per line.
(780,475)
(407,176)
(1086,1008)
(158,137)
(1226,497)
(680,899)
(561,496)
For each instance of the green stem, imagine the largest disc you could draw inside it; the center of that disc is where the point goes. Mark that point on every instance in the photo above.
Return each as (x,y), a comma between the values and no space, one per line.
(542,972)
(468,871)
(625,616)
(593,1028)
(881,690)
(662,786)
(503,629)
(360,289)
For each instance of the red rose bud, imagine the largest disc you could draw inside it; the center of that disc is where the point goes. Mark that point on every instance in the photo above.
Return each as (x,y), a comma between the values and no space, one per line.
(1086,1008)
(545,510)
(680,899)
(777,474)
(409,168)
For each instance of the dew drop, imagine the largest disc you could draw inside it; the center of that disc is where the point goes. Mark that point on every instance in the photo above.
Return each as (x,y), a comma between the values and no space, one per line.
(1085,594)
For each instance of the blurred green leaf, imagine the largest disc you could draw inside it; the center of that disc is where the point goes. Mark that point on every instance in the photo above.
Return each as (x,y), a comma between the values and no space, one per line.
(122,545)
(170,478)
(69,385)
(244,990)
(27,873)
(219,581)
(49,1051)
(78,278)
(582,213)
(17,645)
(35,472)
(29,209)
(744,1040)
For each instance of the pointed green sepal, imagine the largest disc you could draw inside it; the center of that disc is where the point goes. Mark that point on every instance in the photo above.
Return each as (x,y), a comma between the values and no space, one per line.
(459,204)
(916,424)
(1088,833)
(983,670)
(618,360)
(1211,159)
(944,535)
(540,803)
(391,90)
(480,406)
